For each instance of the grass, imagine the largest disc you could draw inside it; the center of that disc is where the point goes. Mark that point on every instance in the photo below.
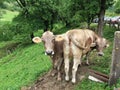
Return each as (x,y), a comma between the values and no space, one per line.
(90,85)
(8,15)
(23,67)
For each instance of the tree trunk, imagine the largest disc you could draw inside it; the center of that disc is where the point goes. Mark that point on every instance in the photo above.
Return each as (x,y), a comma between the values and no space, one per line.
(101,17)
(32,36)
(46,23)
(23,5)
(88,22)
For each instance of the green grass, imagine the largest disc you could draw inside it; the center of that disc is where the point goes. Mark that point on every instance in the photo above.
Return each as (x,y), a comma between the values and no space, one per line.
(23,67)
(8,15)
(90,85)
(5,43)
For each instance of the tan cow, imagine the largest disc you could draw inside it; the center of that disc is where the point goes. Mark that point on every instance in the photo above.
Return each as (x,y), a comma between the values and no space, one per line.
(79,42)
(54,48)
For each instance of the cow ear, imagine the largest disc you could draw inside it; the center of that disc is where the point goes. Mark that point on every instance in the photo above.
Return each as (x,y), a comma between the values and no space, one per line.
(93,44)
(36,40)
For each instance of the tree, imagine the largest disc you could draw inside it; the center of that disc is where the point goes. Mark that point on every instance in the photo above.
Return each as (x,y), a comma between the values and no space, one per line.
(104,4)
(84,11)
(43,12)
(117,6)
(101,17)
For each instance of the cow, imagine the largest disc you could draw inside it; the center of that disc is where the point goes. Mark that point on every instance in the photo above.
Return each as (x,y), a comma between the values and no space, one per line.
(54,48)
(79,41)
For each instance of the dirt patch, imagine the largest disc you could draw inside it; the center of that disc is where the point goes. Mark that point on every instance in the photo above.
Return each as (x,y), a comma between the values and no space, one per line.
(48,82)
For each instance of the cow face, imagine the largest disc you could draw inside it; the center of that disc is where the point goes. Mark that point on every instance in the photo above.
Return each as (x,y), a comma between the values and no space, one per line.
(48,39)
(101,43)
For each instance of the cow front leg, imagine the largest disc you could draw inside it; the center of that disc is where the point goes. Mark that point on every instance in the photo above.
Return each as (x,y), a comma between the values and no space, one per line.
(59,76)
(87,58)
(59,68)
(74,69)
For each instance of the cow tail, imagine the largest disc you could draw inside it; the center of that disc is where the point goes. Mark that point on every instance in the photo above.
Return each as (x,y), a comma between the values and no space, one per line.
(75,42)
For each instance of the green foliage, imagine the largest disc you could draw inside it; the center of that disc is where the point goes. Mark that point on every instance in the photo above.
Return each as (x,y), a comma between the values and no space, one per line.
(5,32)
(45,13)
(117,7)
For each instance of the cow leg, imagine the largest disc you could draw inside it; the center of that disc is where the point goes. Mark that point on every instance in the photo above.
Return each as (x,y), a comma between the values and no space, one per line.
(87,58)
(75,67)
(66,61)
(53,71)
(59,68)
(77,53)
(66,50)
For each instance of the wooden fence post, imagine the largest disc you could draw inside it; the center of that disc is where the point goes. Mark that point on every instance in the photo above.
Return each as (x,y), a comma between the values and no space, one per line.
(115,65)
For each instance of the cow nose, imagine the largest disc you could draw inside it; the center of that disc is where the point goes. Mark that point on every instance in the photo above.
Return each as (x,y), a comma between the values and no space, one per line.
(100,54)
(49,52)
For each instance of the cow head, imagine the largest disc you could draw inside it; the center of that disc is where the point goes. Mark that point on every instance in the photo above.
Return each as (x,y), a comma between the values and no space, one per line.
(101,44)
(48,39)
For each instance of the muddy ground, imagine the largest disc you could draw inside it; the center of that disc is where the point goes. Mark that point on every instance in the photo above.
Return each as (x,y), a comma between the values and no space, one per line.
(48,82)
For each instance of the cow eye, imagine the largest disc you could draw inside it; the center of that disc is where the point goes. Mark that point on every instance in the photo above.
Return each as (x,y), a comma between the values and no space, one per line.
(105,46)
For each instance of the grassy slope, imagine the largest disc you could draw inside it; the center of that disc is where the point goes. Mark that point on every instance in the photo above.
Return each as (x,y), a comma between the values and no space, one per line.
(8,15)
(23,67)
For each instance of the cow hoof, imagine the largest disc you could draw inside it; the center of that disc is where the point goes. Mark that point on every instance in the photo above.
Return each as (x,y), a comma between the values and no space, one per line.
(73,81)
(53,74)
(67,78)
(59,79)
(87,63)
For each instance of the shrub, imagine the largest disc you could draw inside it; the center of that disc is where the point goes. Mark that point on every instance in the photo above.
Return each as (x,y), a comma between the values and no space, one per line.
(5,32)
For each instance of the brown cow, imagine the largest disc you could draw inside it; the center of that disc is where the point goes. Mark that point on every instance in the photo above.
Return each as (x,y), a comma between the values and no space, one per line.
(79,42)
(54,48)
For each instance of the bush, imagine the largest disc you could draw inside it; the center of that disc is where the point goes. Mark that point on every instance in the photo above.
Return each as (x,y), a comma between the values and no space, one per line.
(22,38)
(5,32)
(117,11)
(19,32)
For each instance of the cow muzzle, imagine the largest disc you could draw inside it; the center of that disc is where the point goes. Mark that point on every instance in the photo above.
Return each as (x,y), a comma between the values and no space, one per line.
(49,53)
(100,54)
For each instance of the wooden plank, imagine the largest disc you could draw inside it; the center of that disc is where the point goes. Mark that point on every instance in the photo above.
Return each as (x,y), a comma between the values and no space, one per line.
(115,65)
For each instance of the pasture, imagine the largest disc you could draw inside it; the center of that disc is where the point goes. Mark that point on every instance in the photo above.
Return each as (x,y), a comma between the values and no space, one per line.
(23,64)
(27,63)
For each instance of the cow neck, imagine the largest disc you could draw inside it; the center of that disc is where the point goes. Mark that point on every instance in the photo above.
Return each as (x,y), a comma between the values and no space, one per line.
(58,46)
